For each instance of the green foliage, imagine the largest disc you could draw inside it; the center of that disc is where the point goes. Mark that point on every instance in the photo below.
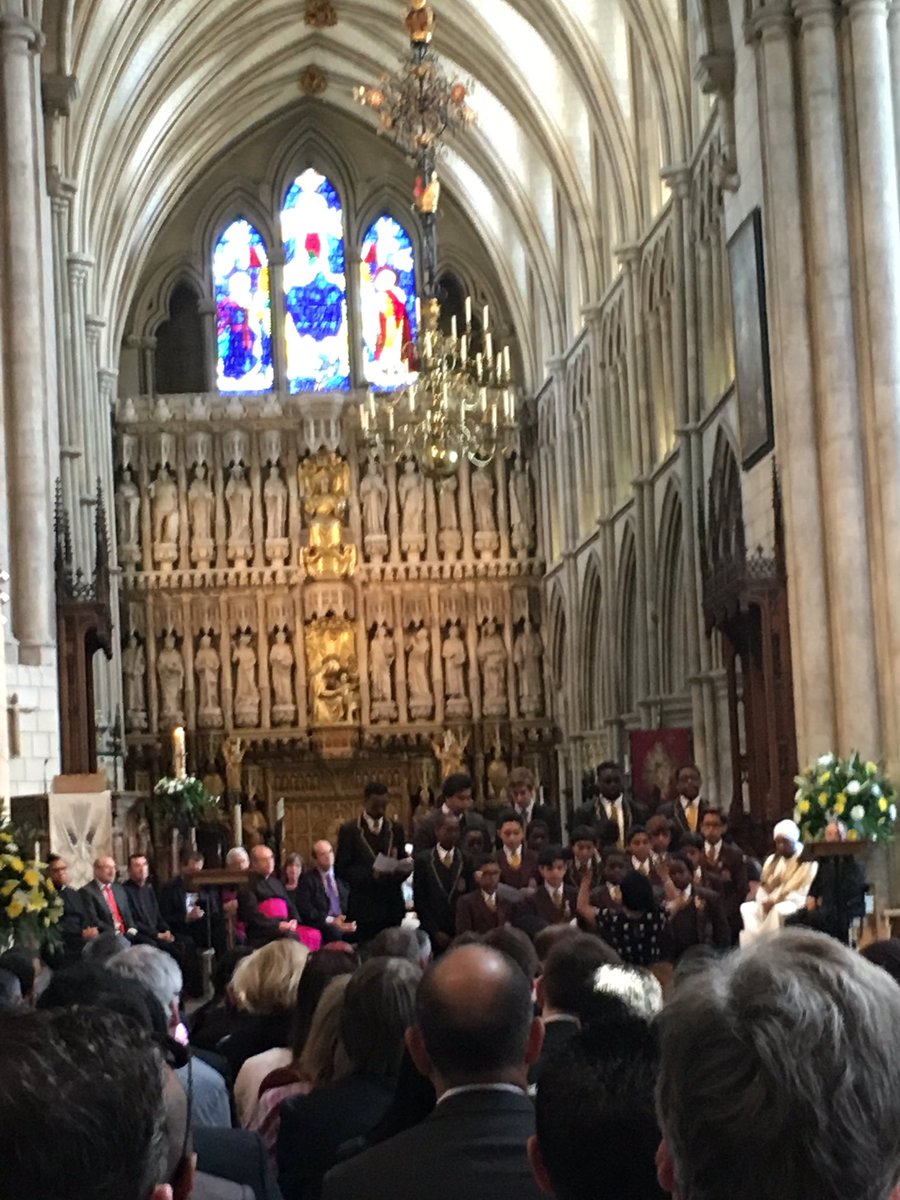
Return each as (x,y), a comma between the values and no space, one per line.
(29,904)
(856,793)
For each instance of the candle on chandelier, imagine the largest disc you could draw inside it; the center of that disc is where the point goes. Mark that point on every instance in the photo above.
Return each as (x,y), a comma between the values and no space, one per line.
(489,347)
(453,333)
(468,312)
(179,754)
(463,348)
(494,418)
(506,370)
(486,322)
(238,825)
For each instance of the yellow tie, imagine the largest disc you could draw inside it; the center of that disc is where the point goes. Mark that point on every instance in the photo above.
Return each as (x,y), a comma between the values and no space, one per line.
(558,897)
(516,860)
(490,900)
(447,858)
(691,813)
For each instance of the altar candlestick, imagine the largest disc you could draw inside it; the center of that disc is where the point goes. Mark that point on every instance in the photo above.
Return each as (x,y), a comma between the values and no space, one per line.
(179,755)
(238,825)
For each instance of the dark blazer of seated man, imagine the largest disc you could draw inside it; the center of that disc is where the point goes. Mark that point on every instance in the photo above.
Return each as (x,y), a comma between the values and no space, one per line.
(263,904)
(74,924)
(482,909)
(322,897)
(475,1036)
(149,922)
(441,877)
(106,901)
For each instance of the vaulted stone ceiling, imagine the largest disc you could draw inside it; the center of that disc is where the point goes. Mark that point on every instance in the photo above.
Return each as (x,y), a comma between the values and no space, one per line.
(580,103)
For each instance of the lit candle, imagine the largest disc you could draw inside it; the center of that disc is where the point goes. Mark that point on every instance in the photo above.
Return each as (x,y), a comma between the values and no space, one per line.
(238,825)
(37,851)
(489,347)
(463,348)
(453,327)
(486,322)
(179,756)
(468,312)
(479,365)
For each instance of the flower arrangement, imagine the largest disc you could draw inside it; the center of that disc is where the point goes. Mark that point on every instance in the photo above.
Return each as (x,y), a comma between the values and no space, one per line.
(182,801)
(29,904)
(857,794)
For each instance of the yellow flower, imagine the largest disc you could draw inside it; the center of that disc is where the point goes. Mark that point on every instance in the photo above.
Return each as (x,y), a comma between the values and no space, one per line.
(840,804)
(852,835)
(883,804)
(37,901)
(825,777)
(32,877)
(5,838)
(15,909)
(823,799)
(9,888)
(803,807)
(871,768)
(15,863)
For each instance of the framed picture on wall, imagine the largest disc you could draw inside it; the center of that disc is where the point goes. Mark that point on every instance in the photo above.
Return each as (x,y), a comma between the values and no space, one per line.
(751,340)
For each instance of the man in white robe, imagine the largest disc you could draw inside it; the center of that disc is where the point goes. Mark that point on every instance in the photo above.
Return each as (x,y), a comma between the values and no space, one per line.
(783,888)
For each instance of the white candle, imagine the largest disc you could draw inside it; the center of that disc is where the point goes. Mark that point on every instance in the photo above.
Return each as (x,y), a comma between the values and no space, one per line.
(468,312)
(37,851)
(238,826)
(179,755)
(463,348)
(486,322)
(488,347)
(453,327)
(418,313)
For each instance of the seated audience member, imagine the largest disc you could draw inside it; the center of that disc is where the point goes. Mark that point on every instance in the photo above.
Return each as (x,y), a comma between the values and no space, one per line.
(474,1037)
(82,1113)
(264,988)
(152,930)
(518,946)
(637,931)
(414,1100)
(724,868)
(161,976)
(596,1132)
(659,831)
(696,914)
(10,991)
(548,938)
(518,866)
(321,1061)
(779,1047)
(237,859)
(526,803)
(537,836)
(291,874)
(104,947)
(482,909)
(193,914)
(321,899)
(886,955)
(378,1007)
(564,990)
(456,792)
(639,853)
(785,884)
(402,942)
(440,877)
(218,1016)
(837,896)
(263,904)
(106,901)
(553,901)
(181,1161)
(584,856)
(20,963)
(75,923)
(638,989)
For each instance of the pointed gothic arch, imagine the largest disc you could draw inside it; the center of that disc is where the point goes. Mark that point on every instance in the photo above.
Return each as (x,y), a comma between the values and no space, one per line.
(626,624)
(670,600)
(592,649)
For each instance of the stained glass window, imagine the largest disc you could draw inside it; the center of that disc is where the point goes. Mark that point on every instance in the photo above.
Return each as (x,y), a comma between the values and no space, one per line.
(315,286)
(243,309)
(388,299)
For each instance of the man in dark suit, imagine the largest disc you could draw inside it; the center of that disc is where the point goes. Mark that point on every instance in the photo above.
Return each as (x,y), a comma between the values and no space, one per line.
(724,868)
(457,800)
(564,990)
(554,901)
(475,1036)
(697,917)
(152,930)
(685,813)
(322,897)
(523,793)
(440,878)
(106,901)
(611,805)
(376,897)
(74,925)
(482,909)
(265,908)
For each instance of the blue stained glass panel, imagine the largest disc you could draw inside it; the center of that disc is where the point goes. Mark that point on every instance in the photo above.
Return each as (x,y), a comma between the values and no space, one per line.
(388,299)
(315,286)
(243,310)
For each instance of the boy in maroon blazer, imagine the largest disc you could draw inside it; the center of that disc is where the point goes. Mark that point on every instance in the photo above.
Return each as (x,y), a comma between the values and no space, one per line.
(554,900)
(518,865)
(483,909)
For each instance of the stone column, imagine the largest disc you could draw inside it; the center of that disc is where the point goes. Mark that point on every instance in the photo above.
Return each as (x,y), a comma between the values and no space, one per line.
(840,436)
(24,374)
(879,297)
(276,292)
(792,380)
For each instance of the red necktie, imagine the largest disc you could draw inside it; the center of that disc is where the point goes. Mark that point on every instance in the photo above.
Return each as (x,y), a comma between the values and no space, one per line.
(113,908)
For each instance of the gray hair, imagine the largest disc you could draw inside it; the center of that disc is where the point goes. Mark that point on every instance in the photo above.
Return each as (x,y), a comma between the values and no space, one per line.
(638,990)
(156,970)
(784,1055)
(237,852)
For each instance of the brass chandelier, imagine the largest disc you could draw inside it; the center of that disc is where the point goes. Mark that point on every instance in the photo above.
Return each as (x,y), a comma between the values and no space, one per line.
(461,404)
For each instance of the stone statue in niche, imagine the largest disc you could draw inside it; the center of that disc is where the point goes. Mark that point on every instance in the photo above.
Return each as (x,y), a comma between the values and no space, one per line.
(373,495)
(166,518)
(134,669)
(201,503)
(483,501)
(281,663)
(411,493)
(418,674)
(449,536)
(455,656)
(493,659)
(528,651)
(275,496)
(128,515)
(239,498)
(170,671)
(208,666)
(382,653)
(246,691)
(521,510)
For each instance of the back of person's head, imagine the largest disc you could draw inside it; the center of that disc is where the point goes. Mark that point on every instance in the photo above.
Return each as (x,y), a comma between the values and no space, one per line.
(474,1014)
(596,1128)
(517,945)
(81,1108)
(546,939)
(637,988)
(156,970)
(324,1058)
(400,941)
(379,1006)
(321,968)
(107,945)
(567,983)
(885,954)
(10,991)
(89,983)
(789,1051)
(637,892)
(225,967)
(267,981)
(22,966)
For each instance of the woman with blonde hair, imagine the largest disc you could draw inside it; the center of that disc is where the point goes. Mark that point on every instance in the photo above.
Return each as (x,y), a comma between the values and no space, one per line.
(264,991)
